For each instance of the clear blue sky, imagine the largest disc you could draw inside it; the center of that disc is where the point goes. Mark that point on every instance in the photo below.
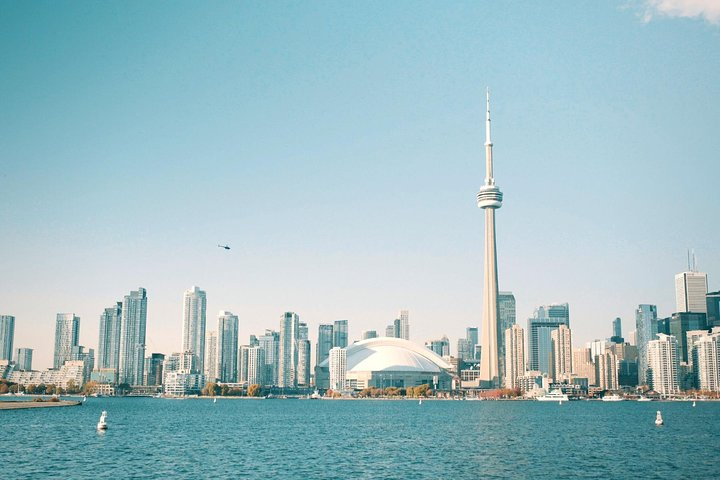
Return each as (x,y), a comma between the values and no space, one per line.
(338,149)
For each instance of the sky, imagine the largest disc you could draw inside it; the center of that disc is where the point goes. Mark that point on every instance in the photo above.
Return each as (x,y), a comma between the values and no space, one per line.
(338,149)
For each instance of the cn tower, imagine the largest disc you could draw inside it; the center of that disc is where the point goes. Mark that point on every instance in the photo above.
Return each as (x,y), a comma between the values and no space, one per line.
(489,199)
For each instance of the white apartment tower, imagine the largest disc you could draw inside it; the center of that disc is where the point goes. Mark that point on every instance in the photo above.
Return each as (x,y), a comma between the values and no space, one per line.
(404,325)
(67,335)
(132,337)
(211,357)
(338,368)
(514,355)
(288,354)
(707,359)
(663,364)
(561,340)
(193,331)
(227,346)
(7,334)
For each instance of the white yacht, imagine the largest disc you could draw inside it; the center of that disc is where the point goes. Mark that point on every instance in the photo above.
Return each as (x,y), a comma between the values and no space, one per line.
(554,396)
(612,398)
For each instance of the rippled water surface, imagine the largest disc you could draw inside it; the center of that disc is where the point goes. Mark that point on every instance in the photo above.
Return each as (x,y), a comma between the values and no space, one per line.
(195,438)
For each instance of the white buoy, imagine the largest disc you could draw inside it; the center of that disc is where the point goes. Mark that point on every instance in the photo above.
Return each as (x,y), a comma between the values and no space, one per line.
(102,424)
(420,403)
(693,403)
(214,400)
(658,419)
(560,402)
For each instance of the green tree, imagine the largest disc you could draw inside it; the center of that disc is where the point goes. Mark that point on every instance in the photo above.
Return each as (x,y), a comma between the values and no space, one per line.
(72,387)
(89,387)
(30,389)
(211,389)
(253,390)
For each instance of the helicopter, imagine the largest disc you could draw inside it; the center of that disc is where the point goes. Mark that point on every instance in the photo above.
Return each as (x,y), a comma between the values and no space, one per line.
(226,247)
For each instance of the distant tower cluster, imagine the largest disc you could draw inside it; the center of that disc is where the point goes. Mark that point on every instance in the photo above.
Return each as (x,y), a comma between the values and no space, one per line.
(489,199)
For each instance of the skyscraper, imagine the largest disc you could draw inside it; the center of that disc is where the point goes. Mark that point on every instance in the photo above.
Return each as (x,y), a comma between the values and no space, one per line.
(270,343)
(227,347)
(403,330)
(678,325)
(713,308)
(24,359)
(545,319)
(211,356)
(287,366)
(303,367)
(390,331)
(154,369)
(67,335)
(324,343)
(193,332)
(7,335)
(132,337)
(489,199)
(646,327)
(561,339)
(617,331)
(109,338)
(690,291)
(663,364)
(514,355)
(368,334)
(707,361)
(506,312)
(255,365)
(337,368)
(606,374)
(340,333)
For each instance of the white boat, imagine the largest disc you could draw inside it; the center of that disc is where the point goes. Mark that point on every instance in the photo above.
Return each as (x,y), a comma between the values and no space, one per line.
(658,419)
(102,424)
(644,399)
(315,395)
(612,398)
(214,400)
(420,403)
(554,396)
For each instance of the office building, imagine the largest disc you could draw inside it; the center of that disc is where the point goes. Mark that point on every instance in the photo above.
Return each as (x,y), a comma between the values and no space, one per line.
(132,337)
(465,350)
(506,319)
(617,331)
(255,365)
(403,325)
(489,199)
(706,356)
(366,334)
(24,358)
(712,301)
(324,343)
(561,348)
(7,336)
(288,361)
(338,368)
(440,346)
(154,369)
(193,331)
(690,292)
(663,364)
(211,356)
(514,355)
(227,347)
(545,319)
(390,331)
(108,355)
(646,327)
(270,343)
(583,365)
(678,325)
(340,333)
(67,334)
(606,374)
(303,366)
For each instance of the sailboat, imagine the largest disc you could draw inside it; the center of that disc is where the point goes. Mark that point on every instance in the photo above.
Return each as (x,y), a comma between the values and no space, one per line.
(658,419)
(214,400)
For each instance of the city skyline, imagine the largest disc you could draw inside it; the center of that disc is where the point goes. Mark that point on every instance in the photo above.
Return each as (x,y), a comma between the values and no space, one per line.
(338,164)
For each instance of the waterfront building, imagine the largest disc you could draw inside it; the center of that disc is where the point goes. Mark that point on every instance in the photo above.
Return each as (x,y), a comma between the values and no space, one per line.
(181,384)
(87,356)
(243,359)
(532,380)
(713,308)
(340,333)
(154,369)
(561,340)
(108,356)
(270,343)
(67,334)
(70,373)
(337,366)
(646,327)
(706,365)
(255,365)
(366,334)
(678,325)
(24,358)
(506,319)
(545,319)
(606,374)
(211,356)
(193,331)
(489,199)
(287,368)
(303,366)
(583,365)
(7,336)
(227,347)
(690,292)
(392,362)
(132,337)
(663,364)
(514,355)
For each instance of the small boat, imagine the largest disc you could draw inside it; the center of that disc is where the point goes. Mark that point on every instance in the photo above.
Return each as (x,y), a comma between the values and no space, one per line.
(84,398)
(693,403)
(315,395)
(612,398)
(102,424)
(644,399)
(658,419)
(420,402)
(554,396)
(214,400)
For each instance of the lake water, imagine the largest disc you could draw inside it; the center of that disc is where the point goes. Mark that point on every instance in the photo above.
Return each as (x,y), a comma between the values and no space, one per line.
(196,438)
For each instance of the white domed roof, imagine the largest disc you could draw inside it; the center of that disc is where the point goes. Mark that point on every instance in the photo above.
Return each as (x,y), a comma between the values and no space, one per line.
(392,354)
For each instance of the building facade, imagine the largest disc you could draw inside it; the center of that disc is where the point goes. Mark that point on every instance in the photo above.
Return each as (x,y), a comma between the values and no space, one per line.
(108,355)
(67,334)
(690,291)
(338,368)
(288,361)
(132,337)
(514,356)
(561,340)
(193,331)
(663,364)
(646,327)
(544,321)
(24,359)
(340,333)
(227,346)
(7,336)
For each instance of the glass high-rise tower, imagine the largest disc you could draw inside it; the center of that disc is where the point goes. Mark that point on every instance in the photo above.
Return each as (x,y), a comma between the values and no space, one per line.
(67,335)
(132,337)
(7,335)
(193,332)
(108,356)
(646,328)
(227,347)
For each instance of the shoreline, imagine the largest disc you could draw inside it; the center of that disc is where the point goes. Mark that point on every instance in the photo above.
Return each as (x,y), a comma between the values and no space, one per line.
(20,405)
